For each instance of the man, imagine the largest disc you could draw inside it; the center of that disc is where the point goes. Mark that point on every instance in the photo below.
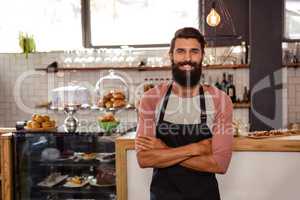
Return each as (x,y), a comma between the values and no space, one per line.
(185,129)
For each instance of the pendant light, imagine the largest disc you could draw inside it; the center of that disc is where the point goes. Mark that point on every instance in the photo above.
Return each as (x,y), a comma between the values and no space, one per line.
(219,25)
(213,19)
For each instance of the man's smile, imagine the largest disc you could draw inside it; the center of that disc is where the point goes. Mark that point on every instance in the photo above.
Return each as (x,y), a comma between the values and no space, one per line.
(185,67)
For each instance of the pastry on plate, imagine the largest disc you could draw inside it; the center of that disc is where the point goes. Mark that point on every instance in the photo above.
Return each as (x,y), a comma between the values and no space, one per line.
(40,122)
(89,156)
(76,181)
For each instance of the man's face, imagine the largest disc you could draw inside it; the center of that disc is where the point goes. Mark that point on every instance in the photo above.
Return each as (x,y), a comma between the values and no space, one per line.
(186,61)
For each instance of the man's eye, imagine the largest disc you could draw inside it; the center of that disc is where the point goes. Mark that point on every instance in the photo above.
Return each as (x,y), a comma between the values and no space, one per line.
(180,51)
(195,51)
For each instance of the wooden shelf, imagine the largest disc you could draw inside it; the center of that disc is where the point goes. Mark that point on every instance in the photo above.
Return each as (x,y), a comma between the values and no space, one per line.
(292,65)
(235,105)
(241,105)
(144,68)
(238,66)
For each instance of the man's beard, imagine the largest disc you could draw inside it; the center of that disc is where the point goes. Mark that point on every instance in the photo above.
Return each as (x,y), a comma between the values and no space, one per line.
(187,78)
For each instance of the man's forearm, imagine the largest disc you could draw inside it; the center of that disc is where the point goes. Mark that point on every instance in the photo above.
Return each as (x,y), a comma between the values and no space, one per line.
(164,157)
(204,163)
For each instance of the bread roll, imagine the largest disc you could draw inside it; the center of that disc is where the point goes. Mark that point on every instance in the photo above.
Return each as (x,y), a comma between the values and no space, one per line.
(119,104)
(47,125)
(29,124)
(109,104)
(39,119)
(108,96)
(35,124)
(33,117)
(119,96)
(46,118)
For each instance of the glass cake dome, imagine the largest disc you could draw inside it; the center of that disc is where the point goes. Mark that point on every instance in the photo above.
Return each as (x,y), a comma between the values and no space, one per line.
(71,95)
(112,92)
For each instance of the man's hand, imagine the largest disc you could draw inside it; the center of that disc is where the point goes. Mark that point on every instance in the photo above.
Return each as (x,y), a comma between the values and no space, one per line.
(149,143)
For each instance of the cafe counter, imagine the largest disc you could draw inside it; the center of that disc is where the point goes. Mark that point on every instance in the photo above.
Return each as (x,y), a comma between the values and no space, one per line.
(260,169)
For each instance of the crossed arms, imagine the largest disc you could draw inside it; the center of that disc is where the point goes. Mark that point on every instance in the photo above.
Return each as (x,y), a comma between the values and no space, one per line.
(152,152)
(210,155)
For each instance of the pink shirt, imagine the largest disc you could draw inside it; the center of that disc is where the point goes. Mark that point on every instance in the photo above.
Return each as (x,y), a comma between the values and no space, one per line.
(222,129)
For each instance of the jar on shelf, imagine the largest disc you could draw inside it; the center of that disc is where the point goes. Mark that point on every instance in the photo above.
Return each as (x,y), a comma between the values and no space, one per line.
(112,92)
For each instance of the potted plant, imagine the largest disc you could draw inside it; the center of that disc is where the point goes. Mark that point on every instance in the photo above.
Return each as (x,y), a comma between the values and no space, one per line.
(26,43)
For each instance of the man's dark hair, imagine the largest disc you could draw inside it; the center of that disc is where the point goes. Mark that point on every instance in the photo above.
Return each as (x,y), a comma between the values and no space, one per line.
(188,32)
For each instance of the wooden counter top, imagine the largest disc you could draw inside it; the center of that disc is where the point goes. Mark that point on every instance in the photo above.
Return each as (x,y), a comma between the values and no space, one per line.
(7,130)
(280,144)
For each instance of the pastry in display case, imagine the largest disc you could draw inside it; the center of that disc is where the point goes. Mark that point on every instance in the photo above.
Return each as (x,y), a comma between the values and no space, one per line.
(104,178)
(58,165)
(76,182)
(112,92)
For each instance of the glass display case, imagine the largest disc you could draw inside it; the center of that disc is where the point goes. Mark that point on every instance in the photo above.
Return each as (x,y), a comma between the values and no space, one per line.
(112,92)
(63,166)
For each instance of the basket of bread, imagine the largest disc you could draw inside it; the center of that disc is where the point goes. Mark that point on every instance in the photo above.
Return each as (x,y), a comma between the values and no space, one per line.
(40,123)
(108,122)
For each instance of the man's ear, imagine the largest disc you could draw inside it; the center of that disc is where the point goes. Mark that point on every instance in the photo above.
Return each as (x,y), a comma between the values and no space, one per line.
(171,56)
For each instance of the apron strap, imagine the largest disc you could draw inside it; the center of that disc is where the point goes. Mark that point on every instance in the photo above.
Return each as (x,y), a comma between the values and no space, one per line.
(164,105)
(203,115)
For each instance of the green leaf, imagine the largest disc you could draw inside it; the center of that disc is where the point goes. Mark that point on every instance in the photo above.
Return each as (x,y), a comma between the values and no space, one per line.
(27,43)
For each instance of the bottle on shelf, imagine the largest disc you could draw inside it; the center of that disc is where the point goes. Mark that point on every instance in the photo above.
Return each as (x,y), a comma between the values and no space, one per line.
(224,83)
(218,84)
(230,89)
(148,84)
(244,58)
(246,95)
(295,60)
(161,80)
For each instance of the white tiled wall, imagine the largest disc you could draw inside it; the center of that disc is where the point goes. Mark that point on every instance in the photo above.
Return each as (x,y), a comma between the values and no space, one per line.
(293,95)
(21,87)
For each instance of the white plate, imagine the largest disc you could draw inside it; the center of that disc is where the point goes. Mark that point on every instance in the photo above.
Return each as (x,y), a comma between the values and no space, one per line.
(93,182)
(57,180)
(72,185)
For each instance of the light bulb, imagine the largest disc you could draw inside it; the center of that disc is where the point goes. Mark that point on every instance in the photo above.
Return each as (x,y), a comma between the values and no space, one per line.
(213,18)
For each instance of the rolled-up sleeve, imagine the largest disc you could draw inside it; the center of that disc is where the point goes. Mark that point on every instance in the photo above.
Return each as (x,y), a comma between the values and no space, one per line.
(146,125)
(146,118)
(222,140)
